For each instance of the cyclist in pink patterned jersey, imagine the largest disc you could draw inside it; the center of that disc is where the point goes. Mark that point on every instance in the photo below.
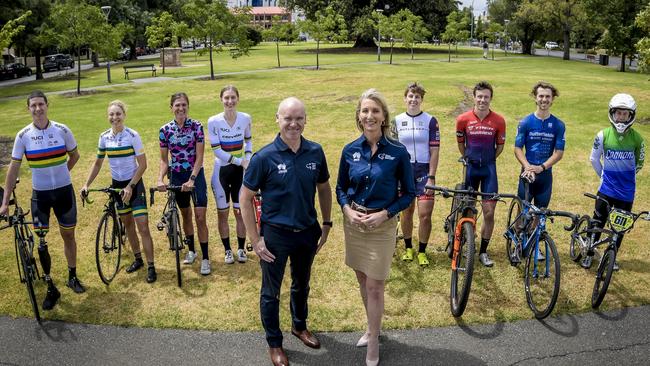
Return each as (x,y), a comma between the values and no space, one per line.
(183,139)
(419,132)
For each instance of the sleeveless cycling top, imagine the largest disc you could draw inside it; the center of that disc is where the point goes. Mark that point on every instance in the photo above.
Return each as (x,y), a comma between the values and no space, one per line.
(418,133)
(616,159)
(230,144)
(480,136)
(121,149)
(540,137)
(47,154)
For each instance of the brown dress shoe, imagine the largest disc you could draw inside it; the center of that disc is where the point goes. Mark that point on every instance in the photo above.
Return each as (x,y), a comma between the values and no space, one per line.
(307,338)
(278,357)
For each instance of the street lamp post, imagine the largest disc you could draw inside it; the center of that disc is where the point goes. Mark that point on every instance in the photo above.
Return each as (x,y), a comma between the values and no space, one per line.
(379,35)
(107,10)
(505,36)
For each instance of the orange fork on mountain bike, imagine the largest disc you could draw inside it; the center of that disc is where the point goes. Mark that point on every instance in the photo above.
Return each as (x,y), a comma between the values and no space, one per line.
(457,232)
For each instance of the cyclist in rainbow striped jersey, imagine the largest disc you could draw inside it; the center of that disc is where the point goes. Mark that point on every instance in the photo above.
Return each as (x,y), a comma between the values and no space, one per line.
(123,147)
(51,152)
(230,138)
(617,156)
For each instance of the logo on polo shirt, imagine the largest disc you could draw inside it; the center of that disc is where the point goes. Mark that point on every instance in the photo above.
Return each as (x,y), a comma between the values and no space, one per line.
(282,168)
(356,156)
(311,166)
(384,156)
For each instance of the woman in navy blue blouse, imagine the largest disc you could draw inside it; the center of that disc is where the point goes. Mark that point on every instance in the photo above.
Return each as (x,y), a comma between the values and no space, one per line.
(370,171)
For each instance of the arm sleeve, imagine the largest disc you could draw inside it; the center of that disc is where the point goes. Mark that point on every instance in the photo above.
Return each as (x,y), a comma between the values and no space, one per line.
(162,138)
(501,132)
(343,181)
(248,141)
(200,136)
(520,139)
(640,155)
(19,148)
(101,148)
(460,131)
(407,186)
(434,133)
(597,153)
(137,144)
(70,142)
(559,136)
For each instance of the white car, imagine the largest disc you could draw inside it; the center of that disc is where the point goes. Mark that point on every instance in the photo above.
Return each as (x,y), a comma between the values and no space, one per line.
(551,45)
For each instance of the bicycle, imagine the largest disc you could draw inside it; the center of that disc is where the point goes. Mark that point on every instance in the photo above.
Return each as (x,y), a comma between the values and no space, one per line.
(24,246)
(111,235)
(170,221)
(583,243)
(257,205)
(525,228)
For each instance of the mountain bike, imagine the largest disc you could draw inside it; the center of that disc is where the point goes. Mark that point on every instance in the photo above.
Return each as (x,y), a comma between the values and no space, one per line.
(24,246)
(170,222)
(111,235)
(525,229)
(583,243)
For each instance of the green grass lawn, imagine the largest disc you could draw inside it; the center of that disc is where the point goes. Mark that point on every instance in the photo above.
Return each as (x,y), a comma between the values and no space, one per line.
(228,299)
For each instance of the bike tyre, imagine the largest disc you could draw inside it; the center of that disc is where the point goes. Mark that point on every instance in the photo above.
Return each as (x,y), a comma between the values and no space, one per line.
(550,251)
(176,241)
(513,212)
(603,277)
(29,275)
(579,237)
(107,243)
(460,287)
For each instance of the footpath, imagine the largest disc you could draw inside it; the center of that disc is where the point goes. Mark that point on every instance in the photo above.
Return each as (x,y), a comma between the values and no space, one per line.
(618,337)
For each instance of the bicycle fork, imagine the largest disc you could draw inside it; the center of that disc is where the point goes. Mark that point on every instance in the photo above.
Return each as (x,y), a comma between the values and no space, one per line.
(457,239)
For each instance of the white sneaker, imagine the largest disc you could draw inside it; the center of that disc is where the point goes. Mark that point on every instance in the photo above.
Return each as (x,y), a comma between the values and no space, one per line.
(190,257)
(229,259)
(241,256)
(205,267)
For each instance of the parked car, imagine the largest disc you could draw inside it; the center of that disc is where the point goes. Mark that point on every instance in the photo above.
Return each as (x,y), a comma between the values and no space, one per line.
(551,45)
(57,62)
(124,54)
(14,71)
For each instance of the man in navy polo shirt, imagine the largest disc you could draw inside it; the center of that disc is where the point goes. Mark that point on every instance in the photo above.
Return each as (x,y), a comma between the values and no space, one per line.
(288,172)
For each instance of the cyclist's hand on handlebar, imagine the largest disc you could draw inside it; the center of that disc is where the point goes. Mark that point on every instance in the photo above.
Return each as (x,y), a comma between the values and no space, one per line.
(188,186)
(83,192)
(3,210)
(528,175)
(161,186)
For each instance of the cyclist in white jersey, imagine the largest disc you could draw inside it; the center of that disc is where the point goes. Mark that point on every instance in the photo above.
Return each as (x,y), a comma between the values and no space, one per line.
(128,162)
(51,152)
(230,138)
(419,132)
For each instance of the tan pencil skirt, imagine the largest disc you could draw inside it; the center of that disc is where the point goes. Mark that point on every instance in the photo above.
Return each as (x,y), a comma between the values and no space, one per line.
(371,251)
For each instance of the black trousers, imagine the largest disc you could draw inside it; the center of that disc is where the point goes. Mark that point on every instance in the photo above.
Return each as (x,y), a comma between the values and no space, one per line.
(300,248)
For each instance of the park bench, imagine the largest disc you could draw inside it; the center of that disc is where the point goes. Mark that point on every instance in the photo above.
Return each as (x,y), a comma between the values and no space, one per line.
(139,68)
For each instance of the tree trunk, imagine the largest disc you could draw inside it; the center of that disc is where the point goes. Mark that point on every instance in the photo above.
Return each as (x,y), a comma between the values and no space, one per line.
(527,47)
(317,51)
(567,44)
(78,70)
(211,63)
(163,59)
(364,42)
(391,53)
(37,59)
(449,45)
(411,52)
(622,68)
(132,56)
(95,59)
(277,51)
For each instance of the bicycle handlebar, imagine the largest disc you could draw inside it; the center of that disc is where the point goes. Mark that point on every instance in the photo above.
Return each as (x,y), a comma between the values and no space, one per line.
(108,190)
(446,192)
(175,189)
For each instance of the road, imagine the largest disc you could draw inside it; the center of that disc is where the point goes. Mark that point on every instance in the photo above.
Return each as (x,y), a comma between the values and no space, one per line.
(617,337)
(613,60)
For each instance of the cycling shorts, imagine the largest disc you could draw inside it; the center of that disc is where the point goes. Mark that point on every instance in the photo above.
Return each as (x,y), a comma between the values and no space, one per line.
(483,177)
(138,201)
(64,203)
(199,196)
(226,182)
(421,175)
(539,192)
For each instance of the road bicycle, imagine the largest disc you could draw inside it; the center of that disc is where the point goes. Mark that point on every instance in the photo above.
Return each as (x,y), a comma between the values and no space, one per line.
(24,246)
(170,222)
(111,234)
(583,243)
(525,229)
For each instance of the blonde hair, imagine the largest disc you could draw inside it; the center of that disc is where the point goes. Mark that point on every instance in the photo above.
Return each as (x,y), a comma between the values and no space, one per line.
(375,96)
(119,104)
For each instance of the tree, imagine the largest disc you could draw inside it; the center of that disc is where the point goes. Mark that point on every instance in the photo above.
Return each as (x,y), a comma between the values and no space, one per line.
(276,33)
(11,29)
(456,30)
(74,24)
(643,22)
(528,22)
(159,33)
(410,29)
(618,18)
(564,15)
(493,31)
(327,26)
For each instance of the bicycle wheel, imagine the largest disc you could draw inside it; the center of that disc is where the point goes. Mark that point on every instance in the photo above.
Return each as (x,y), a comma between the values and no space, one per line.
(107,247)
(176,243)
(542,278)
(28,274)
(461,278)
(579,239)
(603,276)
(512,250)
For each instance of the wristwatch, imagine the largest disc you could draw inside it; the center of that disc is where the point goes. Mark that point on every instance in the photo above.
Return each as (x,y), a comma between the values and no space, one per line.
(327,223)
(192,177)
(132,186)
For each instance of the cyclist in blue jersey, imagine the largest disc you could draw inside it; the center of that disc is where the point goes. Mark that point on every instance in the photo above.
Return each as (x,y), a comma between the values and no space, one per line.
(617,156)
(541,134)
(51,152)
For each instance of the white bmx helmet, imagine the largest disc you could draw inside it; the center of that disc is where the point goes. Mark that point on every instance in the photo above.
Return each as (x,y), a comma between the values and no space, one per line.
(622,101)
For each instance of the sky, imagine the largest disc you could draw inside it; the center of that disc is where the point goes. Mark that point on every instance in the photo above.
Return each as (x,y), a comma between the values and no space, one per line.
(479,5)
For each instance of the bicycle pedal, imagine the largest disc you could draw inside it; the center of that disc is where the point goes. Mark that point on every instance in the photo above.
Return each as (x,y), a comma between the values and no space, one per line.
(160,226)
